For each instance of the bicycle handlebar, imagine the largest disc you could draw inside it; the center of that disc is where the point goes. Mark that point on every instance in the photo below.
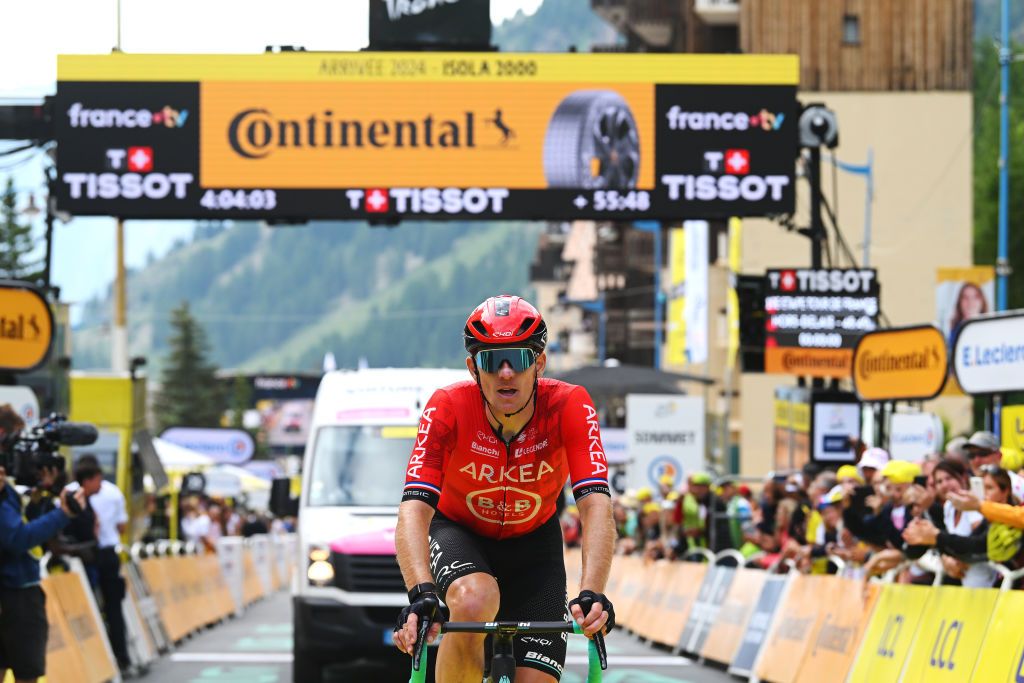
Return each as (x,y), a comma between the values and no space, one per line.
(597,655)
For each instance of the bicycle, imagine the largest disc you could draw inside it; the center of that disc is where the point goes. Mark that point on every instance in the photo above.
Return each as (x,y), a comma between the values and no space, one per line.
(500,667)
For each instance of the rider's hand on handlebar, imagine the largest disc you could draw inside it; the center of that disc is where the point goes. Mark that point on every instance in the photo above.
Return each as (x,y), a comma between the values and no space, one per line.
(593,612)
(426,605)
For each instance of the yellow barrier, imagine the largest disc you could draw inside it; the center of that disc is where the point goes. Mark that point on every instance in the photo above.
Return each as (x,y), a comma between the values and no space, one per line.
(727,630)
(671,619)
(84,627)
(658,576)
(794,628)
(64,660)
(951,633)
(252,587)
(890,633)
(839,633)
(629,588)
(1002,654)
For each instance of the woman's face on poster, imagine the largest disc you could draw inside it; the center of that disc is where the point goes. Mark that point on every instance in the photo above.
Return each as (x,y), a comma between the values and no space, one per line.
(972,302)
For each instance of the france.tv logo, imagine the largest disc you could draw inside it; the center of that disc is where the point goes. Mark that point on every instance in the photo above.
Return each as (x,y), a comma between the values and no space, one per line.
(168,117)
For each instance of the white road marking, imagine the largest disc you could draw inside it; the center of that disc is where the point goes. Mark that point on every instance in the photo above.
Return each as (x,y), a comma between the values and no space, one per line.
(634,660)
(233,657)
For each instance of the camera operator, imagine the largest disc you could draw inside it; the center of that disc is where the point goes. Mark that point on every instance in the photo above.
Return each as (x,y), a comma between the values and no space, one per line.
(23,625)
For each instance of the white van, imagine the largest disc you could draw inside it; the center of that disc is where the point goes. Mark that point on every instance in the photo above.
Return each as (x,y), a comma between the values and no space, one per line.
(348,589)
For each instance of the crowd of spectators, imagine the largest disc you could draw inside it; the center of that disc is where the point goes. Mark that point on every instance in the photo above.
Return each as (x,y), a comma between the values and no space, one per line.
(953,513)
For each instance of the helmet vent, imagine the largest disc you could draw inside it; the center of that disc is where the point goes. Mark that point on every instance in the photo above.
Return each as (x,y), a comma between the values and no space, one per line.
(525,326)
(479,326)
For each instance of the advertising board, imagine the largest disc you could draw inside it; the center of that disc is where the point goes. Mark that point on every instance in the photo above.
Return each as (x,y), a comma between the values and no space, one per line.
(426,135)
(26,327)
(666,437)
(988,356)
(814,318)
(912,436)
(835,422)
(900,364)
(230,446)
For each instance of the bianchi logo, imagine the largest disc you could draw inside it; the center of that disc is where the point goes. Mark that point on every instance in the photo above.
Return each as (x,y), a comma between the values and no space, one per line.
(410,8)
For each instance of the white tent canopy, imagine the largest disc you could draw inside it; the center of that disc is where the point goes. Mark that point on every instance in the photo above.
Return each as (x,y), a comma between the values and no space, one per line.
(179,459)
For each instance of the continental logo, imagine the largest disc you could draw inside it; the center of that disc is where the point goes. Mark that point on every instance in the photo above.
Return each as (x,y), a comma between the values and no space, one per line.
(921,359)
(257,133)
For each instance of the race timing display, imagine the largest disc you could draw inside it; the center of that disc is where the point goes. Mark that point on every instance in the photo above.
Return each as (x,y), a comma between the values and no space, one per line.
(426,135)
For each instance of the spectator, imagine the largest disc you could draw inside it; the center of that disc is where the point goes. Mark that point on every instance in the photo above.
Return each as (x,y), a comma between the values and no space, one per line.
(962,544)
(873,460)
(692,511)
(983,450)
(195,525)
(882,528)
(739,515)
(955,448)
(254,524)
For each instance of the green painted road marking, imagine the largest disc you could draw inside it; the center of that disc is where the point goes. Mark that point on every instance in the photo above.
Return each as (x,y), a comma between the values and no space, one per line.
(578,646)
(274,629)
(238,674)
(264,644)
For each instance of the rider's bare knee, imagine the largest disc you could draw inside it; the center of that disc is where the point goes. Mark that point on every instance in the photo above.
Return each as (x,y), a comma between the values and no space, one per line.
(474,597)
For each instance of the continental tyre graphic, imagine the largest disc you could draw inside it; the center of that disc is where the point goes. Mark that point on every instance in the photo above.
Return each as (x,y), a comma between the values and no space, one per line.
(592,142)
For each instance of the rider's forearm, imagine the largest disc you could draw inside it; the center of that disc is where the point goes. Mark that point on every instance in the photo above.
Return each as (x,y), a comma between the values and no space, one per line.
(411,543)
(598,540)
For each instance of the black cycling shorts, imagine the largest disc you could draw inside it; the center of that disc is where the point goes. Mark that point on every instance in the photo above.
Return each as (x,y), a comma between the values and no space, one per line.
(530,571)
(24,630)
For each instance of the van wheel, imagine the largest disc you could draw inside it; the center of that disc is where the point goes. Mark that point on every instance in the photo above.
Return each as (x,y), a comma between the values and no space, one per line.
(592,143)
(306,668)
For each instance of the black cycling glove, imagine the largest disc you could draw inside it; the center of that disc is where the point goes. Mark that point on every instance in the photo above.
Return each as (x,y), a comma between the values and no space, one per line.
(587,599)
(425,604)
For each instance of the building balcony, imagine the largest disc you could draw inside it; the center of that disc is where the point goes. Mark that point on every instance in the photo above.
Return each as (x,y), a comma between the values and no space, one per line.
(653,21)
(718,12)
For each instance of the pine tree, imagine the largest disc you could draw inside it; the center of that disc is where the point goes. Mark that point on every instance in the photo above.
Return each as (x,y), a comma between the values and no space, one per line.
(190,395)
(16,244)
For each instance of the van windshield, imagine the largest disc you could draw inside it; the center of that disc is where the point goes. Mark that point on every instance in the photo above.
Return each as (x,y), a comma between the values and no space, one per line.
(360,465)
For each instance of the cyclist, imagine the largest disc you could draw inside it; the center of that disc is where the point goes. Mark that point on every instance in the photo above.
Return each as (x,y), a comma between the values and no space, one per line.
(477,527)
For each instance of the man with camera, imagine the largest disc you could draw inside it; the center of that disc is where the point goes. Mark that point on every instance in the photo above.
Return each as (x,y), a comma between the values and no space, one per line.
(23,625)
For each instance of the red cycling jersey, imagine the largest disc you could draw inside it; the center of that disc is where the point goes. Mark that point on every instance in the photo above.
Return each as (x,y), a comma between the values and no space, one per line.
(461,468)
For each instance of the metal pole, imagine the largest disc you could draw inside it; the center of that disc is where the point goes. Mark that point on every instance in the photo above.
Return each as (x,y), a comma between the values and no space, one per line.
(119,347)
(657,296)
(1002,262)
(49,241)
(602,324)
(817,228)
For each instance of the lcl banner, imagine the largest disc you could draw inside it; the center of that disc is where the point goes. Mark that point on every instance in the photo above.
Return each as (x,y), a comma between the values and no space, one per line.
(427,135)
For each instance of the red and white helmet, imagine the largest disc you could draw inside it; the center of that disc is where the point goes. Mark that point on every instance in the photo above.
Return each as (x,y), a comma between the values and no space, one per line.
(505,320)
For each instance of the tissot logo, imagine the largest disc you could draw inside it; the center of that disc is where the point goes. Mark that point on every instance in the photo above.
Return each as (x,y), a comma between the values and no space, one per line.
(257,133)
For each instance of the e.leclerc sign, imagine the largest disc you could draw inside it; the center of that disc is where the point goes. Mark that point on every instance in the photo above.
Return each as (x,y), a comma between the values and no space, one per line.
(988,356)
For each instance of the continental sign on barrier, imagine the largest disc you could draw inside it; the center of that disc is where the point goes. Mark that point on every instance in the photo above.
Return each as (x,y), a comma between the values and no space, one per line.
(900,364)
(365,135)
(26,327)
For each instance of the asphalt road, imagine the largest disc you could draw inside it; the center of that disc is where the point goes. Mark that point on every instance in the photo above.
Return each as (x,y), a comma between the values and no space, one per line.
(257,648)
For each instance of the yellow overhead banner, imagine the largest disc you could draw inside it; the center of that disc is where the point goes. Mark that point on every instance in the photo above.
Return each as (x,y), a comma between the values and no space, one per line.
(26,327)
(900,364)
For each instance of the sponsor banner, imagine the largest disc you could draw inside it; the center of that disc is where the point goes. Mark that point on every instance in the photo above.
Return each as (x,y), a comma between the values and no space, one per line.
(792,428)
(732,301)
(794,628)
(1013,427)
(761,620)
(900,364)
(695,308)
(814,318)
(231,446)
(26,327)
(24,402)
(675,323)
(834,423)
(666,436)
(840,631)
(890,633)
(404,24)
(913,436)
(1002,653)
(426,135)
(705,610)
(953,627)
(282,387)
(988,356)
(733,614)
(616,445)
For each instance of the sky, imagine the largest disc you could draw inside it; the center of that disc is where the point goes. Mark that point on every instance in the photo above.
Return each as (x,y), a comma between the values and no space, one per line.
(84,248)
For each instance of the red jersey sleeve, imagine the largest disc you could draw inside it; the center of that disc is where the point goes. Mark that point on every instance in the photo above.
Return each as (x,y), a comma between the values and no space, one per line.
(581,435)
(425,473)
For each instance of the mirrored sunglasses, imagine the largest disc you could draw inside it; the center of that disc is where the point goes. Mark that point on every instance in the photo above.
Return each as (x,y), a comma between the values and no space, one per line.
(491,360)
